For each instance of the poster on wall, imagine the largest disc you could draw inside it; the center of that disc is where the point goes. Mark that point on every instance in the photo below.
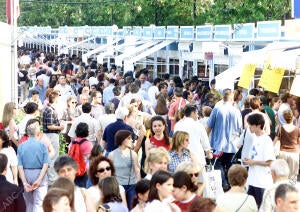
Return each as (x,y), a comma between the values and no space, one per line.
(247,74)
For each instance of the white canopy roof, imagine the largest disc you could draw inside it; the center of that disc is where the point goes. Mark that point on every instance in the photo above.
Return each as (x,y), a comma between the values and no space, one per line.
(282,54)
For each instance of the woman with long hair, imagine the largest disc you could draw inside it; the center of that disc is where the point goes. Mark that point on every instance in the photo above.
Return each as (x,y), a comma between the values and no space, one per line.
(160,135)
(110,194)
(100,168)
(9,124)
(179,151)
(160,194)
(5,148)
(68,116)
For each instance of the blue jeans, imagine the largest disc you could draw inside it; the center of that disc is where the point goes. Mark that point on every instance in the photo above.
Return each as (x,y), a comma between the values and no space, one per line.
(223,164)
(130,194)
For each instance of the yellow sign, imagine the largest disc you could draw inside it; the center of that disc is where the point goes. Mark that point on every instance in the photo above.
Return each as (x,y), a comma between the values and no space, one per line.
(247,75)
(271,78)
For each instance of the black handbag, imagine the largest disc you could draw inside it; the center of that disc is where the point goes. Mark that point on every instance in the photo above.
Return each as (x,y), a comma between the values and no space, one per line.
(237,158)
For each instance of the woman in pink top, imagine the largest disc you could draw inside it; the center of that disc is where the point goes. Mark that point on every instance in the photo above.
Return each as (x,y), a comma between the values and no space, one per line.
(82,132)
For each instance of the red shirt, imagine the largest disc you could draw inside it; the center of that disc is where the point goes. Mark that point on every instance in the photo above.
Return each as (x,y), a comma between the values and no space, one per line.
(184,205)
(158,143)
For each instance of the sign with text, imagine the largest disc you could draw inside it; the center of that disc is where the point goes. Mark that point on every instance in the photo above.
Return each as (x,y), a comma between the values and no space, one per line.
(222,32)
(204,33)
(126,31)
(63,30)
(243,32)
(247,75)
(271,78)
(137,31)
(109,31)
(172,32)
(159,32)
(147,32)
(268,30)
(187,33)
(292,29)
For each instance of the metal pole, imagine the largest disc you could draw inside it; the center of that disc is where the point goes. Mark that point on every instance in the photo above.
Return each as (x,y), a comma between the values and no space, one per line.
(14,66)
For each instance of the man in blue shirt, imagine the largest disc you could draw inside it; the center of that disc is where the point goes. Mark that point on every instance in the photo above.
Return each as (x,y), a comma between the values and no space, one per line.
(108,93)
(33,162)
(40,88)
(110,131)
(225,124)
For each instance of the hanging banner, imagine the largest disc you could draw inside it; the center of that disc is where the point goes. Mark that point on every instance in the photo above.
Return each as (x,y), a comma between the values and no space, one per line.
(247,75)
(271,79)
(295,89)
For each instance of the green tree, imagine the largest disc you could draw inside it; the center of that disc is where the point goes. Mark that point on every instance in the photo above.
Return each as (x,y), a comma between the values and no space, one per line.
(56,13)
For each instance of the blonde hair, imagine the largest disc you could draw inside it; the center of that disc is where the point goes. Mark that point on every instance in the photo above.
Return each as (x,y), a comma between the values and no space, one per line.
(130,109)
(70,99)
(178,139)
(8,113)
(189,166)
(156,155)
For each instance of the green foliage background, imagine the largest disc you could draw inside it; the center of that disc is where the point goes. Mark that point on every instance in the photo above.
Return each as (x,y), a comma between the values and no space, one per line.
(56,13)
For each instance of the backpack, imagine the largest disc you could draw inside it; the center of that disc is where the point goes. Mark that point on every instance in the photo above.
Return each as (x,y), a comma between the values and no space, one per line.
(78,156)
(1,126)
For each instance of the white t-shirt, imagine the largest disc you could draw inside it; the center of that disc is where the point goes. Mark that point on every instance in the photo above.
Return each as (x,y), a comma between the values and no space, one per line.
(157,205)
(152,92)
(95,193)
(79,202)
(12,161)
(262,150)
(234,201)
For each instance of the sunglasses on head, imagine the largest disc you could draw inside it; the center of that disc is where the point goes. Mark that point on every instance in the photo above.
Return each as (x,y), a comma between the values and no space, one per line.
(194,174)
(103,169)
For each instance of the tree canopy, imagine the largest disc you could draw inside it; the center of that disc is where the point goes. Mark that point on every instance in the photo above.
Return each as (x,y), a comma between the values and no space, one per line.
(56,13)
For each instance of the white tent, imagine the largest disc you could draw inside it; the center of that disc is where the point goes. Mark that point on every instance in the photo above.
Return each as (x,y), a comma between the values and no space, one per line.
(282,55)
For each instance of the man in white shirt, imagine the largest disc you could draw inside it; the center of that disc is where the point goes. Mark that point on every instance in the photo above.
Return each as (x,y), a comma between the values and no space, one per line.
(65,90)
(94,127)
(97,106)
(142,75)
(259,160)
(198,137)
(153,91)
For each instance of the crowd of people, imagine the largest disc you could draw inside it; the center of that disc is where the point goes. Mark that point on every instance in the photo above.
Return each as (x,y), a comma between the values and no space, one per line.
(87,138)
